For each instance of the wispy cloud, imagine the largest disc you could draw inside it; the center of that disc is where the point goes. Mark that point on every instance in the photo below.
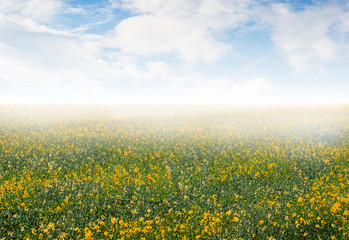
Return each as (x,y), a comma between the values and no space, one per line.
(308,38)
(37,10)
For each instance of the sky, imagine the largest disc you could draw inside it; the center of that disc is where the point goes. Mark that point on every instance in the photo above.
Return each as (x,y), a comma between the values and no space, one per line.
(174,51)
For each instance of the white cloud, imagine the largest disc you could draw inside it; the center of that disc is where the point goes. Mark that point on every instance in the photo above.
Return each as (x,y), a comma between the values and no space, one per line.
(158,7)
(23,72)
(37,10)
(344,22)
(204,13)
(152,35)
(224,14)
(183,27)
(35,55)
(158,70)
(304,37)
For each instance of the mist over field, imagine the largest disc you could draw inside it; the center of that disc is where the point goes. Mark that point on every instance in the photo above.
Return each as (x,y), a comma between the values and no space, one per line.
(165,172)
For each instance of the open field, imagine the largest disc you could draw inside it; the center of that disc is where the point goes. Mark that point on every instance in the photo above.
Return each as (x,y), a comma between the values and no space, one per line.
(69,172)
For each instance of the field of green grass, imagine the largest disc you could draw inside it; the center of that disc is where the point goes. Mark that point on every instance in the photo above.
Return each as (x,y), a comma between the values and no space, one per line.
(125,172)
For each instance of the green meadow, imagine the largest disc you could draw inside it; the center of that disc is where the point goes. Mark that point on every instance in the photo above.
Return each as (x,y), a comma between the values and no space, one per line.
(172,172)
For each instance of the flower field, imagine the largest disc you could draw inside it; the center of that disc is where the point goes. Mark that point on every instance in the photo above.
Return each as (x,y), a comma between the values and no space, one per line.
(113,172)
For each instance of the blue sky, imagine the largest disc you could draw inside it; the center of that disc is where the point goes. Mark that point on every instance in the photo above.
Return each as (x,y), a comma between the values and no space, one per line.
(174,51)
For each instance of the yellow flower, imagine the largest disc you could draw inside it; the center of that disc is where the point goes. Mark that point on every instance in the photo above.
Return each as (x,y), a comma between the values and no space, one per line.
(62,235)
(88,233)
(336,207)
(113,220)
(51,225)
(134,211)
